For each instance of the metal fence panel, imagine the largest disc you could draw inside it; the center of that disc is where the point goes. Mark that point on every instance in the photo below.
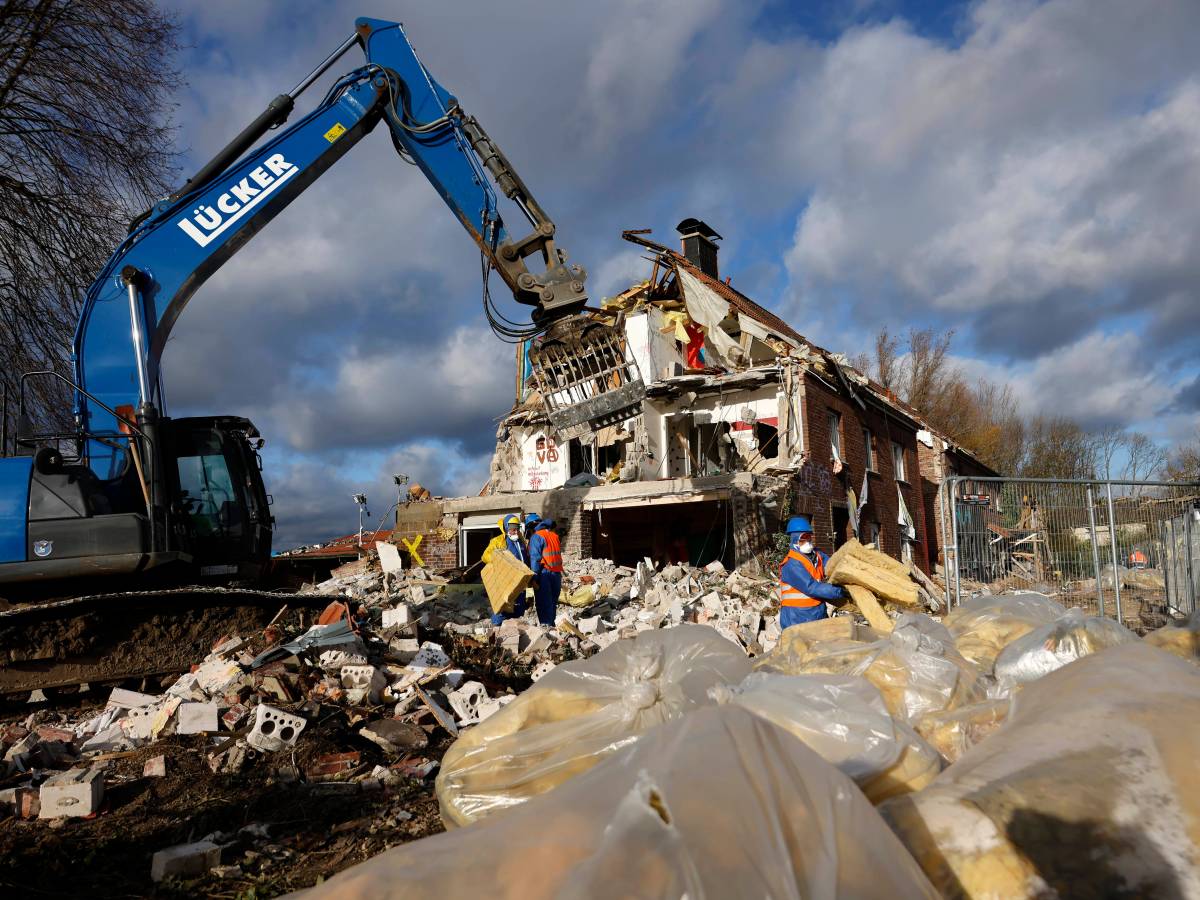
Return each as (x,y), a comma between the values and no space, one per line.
(1124,549)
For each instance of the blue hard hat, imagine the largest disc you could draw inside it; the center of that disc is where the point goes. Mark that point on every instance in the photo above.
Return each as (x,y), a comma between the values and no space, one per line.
(798,525)
(532,519)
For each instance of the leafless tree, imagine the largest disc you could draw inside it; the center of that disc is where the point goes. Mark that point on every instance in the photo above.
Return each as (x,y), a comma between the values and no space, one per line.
(85,144)
(1056,447)
(1184,461)
(1146,459)
(1109,442)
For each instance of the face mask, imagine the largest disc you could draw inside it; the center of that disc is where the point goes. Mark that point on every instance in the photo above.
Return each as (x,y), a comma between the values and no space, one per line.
(513,532)
(806,548)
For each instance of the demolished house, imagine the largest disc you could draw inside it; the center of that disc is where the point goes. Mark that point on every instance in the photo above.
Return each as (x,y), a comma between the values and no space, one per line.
(745,422)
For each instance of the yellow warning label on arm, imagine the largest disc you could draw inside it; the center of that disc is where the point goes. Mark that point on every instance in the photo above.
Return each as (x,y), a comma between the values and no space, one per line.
(335,132)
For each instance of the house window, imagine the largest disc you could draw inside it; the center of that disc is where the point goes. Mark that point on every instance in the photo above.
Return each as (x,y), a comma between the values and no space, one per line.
(869,447)
(906,551)
(898,462)
(835,435)
(873,535)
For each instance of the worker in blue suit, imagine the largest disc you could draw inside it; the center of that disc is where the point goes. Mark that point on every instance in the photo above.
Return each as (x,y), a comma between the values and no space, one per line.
(803,591)
(511,539)
(545,555)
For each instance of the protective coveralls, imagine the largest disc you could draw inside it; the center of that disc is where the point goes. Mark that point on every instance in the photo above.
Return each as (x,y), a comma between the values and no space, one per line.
(512,541)
(803,590)
(545,554)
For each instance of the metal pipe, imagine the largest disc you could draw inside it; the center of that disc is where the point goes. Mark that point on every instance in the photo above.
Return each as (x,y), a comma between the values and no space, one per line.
(320,70)
(1112,543)
(130,275)
(1167,561)
(1091,505)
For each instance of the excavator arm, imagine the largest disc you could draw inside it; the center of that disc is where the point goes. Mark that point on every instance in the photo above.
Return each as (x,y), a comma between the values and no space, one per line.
(131,308)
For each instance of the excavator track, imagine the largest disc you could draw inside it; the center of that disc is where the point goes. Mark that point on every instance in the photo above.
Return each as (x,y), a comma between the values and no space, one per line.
(113,638)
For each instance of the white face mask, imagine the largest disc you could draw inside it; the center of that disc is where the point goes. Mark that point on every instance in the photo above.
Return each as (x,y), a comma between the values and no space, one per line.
(805,548)
(513,532)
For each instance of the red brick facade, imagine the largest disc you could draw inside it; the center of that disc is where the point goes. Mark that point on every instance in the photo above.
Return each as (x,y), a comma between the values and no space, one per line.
(824,499)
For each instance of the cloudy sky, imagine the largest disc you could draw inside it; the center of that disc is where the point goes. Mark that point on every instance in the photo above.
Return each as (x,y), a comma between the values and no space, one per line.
(1025,173)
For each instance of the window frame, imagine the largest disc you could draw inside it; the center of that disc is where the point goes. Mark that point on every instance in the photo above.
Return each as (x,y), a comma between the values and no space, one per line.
(869,447)
(833,419)
(899,463)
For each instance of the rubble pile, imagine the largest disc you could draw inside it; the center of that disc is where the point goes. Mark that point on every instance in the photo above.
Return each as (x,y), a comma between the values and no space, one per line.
(289,754)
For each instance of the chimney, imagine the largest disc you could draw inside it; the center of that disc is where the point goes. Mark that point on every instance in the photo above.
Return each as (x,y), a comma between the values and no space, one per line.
(700,245)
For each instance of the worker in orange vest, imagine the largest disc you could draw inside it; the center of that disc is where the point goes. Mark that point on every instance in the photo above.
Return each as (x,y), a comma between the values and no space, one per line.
(545,558)
(803,591)
(1137,560)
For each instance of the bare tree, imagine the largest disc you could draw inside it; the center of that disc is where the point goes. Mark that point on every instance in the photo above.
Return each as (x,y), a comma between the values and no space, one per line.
(928,376)
(85,144)
(1184,461)
(1146,459)
(1056,447)
(1109,442)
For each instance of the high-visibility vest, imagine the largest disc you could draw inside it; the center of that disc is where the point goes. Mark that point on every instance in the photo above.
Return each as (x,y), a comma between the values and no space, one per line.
(552,553)
(793,596)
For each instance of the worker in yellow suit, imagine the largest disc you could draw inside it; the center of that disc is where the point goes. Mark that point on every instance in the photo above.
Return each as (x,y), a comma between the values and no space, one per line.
(510,539)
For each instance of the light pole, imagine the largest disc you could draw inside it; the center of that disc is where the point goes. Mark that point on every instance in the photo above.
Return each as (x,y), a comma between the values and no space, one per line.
(361,500)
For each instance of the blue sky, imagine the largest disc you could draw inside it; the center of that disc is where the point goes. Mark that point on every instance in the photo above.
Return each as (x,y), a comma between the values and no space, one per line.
(1025,173)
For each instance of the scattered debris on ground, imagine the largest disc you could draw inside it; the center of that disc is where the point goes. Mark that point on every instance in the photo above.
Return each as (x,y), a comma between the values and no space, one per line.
(294,750)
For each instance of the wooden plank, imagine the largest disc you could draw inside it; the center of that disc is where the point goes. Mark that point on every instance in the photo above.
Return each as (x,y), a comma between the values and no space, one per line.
(869,606)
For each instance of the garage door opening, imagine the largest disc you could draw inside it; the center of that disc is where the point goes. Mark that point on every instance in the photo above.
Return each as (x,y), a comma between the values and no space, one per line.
(695,533)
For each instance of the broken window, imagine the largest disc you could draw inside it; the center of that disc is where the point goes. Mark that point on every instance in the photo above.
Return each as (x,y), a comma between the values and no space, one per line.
(873,532)
(898,462)
(835,435)
(581,458)
(713,448)
(609,456)
(768,440)
(869,448)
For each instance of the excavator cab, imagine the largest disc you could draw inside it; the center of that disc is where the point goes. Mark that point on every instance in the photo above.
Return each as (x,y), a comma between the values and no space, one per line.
(586,375)
(67,522)
(220,507)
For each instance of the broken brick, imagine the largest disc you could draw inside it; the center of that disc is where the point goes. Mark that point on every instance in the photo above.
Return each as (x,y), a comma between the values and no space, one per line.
(333,763)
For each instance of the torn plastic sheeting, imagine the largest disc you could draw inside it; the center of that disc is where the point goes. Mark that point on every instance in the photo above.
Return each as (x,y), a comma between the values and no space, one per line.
(579,713)
(707,308)
(1090,790)
(718,804)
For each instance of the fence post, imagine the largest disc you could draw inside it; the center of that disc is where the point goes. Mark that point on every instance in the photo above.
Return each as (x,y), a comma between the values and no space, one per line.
(1187,531)
(1091,505)
(1112,543)
(957,554)
(945,537)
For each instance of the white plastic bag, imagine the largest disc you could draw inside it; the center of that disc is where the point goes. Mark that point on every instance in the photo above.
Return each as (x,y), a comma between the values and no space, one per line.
(984,626)
(1183,640)
(916,668)
(580,712)
(1052,646)
(844,719)
(1090,790)
(718,804)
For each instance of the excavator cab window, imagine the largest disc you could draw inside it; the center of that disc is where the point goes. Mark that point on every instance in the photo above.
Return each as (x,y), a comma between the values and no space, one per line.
(206,490)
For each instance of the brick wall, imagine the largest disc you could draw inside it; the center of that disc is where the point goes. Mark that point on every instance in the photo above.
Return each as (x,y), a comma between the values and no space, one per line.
(826,490)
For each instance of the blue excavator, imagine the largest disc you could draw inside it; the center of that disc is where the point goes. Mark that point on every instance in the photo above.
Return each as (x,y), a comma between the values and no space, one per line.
(130,492)
(129,489)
